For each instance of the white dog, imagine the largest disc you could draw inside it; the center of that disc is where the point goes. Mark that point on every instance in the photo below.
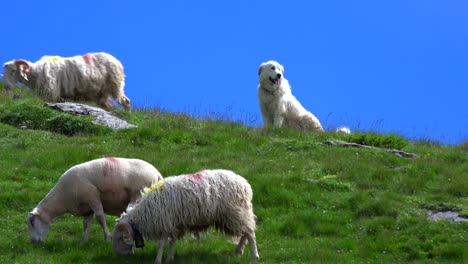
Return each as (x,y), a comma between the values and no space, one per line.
(279,107)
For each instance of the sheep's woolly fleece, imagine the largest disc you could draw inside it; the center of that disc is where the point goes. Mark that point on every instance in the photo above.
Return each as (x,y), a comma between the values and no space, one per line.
(194,202)
(90,77)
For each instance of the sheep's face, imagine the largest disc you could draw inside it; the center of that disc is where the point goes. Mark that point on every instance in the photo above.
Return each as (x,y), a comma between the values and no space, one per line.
(38,228)
(10,75)
(122,239)
(270,75)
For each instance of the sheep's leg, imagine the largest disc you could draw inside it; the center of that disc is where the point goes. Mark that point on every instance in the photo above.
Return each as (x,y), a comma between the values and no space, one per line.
(102,221)
(170,256)
(241,245)
(106,104)
(87,219)
(162,243)
(253,246)
(99,212)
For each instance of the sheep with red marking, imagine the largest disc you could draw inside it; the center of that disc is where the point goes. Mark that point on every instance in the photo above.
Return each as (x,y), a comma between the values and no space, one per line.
(95,187)
(91,77)
(189,203)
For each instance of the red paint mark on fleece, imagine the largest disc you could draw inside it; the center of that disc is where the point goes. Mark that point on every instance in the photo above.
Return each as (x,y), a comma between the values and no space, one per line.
(113,160)
(107,169)
(87,58)
(196,176)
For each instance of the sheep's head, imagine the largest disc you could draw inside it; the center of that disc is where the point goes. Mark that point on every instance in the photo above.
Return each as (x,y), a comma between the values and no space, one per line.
(15,71)
(38,228)
(122,239)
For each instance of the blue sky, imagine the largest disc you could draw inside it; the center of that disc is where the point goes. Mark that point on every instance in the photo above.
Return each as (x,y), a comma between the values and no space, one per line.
(390,66)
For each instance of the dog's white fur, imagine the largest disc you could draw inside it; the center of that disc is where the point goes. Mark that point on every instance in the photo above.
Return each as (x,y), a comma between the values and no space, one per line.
(278,105)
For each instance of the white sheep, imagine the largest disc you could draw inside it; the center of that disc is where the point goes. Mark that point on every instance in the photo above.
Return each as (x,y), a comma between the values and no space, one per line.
(96,187)
(94,77)
(185,203)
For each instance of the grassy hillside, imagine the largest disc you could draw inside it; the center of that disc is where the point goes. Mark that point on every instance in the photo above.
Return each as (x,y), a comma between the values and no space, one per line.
(315,203)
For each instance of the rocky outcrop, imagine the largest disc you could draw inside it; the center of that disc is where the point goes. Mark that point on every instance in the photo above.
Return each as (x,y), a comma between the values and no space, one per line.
(102,117)
(447,215)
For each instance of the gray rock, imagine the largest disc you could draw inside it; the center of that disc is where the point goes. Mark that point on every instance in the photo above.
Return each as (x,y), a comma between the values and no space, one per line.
(448,215)
(102,117)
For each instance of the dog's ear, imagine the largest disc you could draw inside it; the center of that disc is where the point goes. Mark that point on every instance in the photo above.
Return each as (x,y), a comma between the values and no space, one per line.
(282,68)
(260,69)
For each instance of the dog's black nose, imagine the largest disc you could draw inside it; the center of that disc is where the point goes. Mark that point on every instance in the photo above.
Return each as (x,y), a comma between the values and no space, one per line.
(278,75)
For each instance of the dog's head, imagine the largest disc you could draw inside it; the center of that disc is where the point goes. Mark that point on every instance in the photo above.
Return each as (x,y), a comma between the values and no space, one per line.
(270,75)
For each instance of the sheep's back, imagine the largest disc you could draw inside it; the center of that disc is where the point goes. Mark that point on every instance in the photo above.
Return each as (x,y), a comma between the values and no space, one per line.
(220,198)
(85,77)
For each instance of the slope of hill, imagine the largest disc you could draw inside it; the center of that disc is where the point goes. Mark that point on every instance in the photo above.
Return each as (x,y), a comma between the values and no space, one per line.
(315,203)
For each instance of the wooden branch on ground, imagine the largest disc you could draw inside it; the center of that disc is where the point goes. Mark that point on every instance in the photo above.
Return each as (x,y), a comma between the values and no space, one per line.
(397,152)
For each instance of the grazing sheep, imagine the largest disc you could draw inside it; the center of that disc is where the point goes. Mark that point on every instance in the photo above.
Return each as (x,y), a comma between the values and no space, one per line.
(189,203)
(99,186)
(93,76)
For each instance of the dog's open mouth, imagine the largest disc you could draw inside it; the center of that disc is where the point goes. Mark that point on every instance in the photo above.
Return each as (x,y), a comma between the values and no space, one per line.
(275,81)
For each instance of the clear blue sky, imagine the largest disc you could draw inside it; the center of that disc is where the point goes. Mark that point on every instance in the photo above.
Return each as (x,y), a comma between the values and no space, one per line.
(391,66)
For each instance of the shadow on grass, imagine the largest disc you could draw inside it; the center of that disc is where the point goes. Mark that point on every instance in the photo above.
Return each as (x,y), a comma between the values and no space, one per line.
(149,256)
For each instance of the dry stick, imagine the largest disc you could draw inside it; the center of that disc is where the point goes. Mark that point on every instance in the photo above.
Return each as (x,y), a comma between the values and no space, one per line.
(397,152)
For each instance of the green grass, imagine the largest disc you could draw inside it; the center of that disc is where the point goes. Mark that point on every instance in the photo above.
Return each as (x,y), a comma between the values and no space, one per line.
(315,203)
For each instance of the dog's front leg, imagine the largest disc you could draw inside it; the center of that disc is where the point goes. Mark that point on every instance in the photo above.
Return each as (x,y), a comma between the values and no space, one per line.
(278,117)
(278,121)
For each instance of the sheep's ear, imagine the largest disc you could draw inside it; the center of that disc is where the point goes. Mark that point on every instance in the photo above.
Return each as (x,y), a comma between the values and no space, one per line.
(260,69)
(35,212)
(31,219)
(33,215)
